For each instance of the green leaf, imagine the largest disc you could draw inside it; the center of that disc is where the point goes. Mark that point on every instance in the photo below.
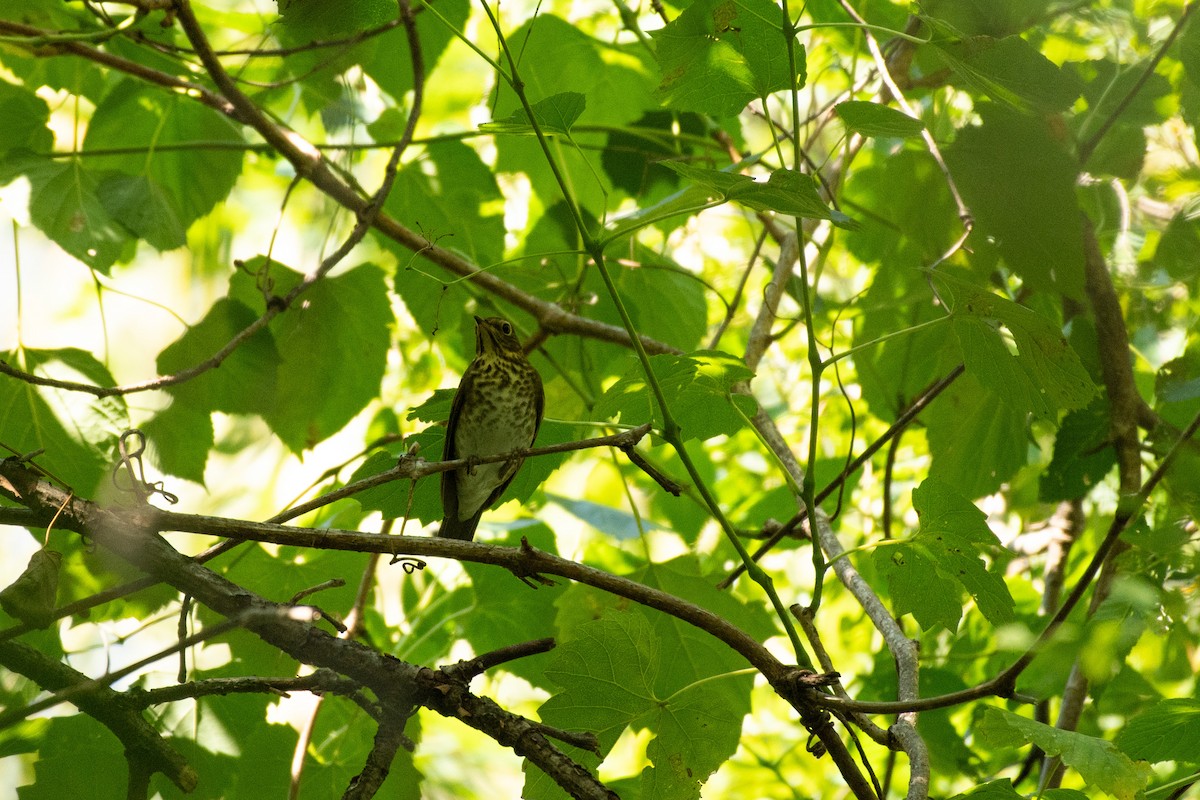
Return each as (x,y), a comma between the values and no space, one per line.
(507,611)
(390,63)
(992,790)
(1178,250)
(632,154)
(179,439)
(556,57)
(400,499)
(313,20)
(696,387)
(65,205)
(787,192)
(1082,454)
(875,119)
(145,209)
(25,115)
(666,302)
(32,597)
(718,55)
(1013,72)
(1100,764)
(916,588)
(924,573)
(1019,181)
(78,757)
(182,185)
(1167,731)
(1045,375)
(613,675)
(254,363)
(333,349)
(977,440)
(606,519)
(77,431)
(459,206)
(555,114)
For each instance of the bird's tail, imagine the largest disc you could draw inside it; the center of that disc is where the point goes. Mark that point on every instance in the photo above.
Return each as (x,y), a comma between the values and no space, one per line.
(460,529)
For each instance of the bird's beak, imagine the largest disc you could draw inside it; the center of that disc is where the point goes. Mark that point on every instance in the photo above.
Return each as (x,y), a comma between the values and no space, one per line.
(479,328)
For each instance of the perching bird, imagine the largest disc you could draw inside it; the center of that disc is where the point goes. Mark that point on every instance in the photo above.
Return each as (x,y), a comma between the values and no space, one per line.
(497,409)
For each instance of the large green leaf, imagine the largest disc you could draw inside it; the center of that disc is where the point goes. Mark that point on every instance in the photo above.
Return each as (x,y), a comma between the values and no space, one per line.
(927,573)
(874,119)
(458,206)
(1101,765)
(1019,181)
(77,431)
(1045,375)
(613,676)
(1011,71)
(554,114)
(65,204)
(174,187)
(696,387)
(977,440)
(1167,731)
(25,116)
(332,348)
(718,55)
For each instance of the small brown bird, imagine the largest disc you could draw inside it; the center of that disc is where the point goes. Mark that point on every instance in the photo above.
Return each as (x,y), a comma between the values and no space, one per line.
(497,409)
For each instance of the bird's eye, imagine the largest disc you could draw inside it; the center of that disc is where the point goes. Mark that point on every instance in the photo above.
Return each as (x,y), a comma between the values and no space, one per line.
(506,329)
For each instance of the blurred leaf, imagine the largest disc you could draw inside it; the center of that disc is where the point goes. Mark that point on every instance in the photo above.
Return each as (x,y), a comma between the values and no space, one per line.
(874,119)
(1178,250)
(972,17)
(80,758)
(1019,181)
(25,116)
(1013,72)
(33,596)
(992,790)
(389,62)
(77,431)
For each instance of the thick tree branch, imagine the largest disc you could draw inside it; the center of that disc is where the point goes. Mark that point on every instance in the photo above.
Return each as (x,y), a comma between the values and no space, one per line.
(107,706)
(130,535)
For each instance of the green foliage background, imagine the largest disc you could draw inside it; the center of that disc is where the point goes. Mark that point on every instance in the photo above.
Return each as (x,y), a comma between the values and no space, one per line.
(1017,197)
